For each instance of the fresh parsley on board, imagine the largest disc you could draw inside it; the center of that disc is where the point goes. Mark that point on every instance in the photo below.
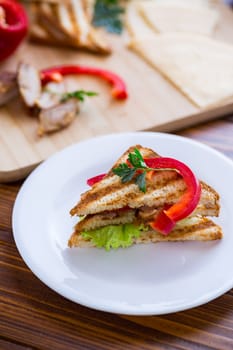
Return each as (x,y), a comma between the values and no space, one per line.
(78,94)
(108,14)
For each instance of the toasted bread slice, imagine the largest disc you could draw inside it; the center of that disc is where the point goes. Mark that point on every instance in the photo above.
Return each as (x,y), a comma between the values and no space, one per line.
(63,14)
(44,28)
(191,229)
(40,35)
(165,187)
(91,222)
(89,6)
(88,37)
(66,24)
(47,18)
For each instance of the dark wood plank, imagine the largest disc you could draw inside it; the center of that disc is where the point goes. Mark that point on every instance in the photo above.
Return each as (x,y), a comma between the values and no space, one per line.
(217,134)
(7,196)
(8,345)
(34,317)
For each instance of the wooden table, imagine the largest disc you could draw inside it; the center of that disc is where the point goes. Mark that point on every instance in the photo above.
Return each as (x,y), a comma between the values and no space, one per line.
(34,317)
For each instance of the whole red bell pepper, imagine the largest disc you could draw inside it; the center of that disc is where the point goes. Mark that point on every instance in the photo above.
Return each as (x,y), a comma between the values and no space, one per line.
(119,90)
(13,27)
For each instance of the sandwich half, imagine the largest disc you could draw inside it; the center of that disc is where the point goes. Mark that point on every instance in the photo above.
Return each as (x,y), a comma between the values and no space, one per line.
(116,213)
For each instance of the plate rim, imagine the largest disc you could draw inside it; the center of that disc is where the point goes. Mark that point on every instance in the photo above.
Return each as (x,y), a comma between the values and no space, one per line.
(126,310)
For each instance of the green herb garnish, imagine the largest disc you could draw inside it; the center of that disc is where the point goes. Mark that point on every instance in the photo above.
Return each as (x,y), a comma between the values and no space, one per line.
(78,94)
(141,181)
(108,14)
(135,169)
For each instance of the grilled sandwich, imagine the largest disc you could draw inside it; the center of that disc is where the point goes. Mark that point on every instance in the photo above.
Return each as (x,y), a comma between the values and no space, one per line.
(117,214)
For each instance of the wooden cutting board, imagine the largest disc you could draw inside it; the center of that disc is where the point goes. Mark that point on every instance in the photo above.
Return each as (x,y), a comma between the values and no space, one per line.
(153,103)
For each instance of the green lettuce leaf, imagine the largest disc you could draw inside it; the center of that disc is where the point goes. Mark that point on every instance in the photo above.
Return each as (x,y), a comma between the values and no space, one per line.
(114,236)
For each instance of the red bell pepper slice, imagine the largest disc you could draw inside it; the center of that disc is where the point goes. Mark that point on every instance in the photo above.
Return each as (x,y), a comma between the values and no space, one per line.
(95,179)
(13,27)
(167,218)
(119,90)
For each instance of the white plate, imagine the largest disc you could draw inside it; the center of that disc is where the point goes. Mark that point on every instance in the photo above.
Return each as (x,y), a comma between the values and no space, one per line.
(141,280)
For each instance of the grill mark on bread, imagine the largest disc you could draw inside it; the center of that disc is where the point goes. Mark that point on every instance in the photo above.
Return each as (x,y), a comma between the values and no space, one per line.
(170,192)
(93,221)
(121,195)
(204,230)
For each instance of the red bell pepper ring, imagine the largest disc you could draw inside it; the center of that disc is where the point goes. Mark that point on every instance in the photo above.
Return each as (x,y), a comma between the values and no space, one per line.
(167,218)
(119,90)
(13,27)
(95,179)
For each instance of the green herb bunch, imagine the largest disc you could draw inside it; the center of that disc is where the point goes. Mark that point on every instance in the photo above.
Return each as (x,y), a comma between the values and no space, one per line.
(108,14)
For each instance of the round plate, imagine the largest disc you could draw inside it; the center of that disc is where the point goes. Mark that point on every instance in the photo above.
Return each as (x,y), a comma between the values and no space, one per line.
(148,279)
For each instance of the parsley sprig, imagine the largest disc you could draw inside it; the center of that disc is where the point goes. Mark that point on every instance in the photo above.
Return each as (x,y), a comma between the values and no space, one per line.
(108,14)
(78,94)
(137,170)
